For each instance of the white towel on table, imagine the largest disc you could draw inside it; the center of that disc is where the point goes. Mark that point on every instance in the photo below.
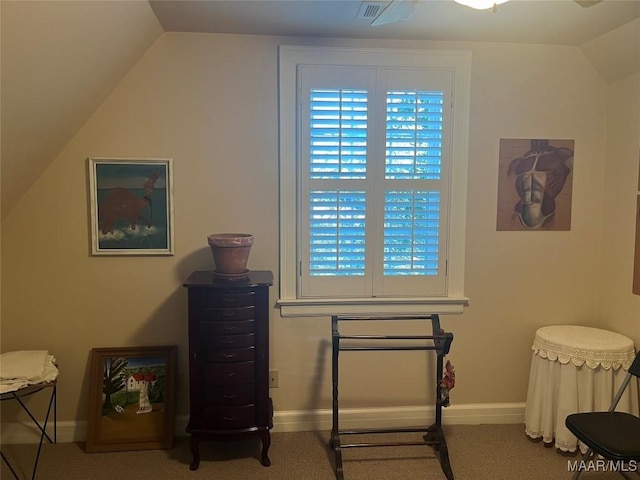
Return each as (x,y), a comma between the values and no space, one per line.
(26,367)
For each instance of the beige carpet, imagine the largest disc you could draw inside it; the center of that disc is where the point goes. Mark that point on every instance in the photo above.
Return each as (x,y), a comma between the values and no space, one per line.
(477,452)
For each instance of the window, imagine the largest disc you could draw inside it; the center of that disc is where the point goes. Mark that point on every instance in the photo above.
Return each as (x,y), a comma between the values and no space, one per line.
(373,185)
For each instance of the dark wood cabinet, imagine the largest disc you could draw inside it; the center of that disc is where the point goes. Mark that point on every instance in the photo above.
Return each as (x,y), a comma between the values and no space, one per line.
(229,359)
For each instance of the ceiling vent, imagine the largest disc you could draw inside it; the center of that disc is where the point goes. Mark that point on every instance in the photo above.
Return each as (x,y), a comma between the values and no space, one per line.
(371,10)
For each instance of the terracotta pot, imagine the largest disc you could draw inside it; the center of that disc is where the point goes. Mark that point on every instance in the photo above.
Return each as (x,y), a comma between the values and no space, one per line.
(230,252)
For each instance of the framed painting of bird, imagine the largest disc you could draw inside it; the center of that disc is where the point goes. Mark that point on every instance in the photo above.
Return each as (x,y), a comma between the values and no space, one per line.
(131,206)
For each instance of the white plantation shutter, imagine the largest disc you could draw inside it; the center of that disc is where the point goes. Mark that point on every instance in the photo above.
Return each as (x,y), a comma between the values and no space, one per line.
(411,233)
(337,233)
(338,133)
(372,170)
(338,150)
(373,191)
(413,152)
(414,135)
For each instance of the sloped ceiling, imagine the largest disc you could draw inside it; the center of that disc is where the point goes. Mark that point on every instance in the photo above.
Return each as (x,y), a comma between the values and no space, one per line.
(60,59)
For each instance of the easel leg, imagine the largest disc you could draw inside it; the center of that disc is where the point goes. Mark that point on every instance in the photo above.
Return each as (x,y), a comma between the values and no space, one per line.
(339,471)
(335,431)
(436,435)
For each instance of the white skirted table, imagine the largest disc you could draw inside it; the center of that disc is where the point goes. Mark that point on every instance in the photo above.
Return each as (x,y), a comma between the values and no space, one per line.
(575,369)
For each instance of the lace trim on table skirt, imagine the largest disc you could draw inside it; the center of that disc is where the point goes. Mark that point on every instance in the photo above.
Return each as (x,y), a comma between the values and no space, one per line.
(538,435)
(593,360)
(562,446)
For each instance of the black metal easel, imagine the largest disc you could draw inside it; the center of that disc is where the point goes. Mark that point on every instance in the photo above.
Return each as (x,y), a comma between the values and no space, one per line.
(439,341)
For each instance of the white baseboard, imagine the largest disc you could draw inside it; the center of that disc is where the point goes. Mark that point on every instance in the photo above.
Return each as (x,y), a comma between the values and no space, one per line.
(312,420)
(390,417)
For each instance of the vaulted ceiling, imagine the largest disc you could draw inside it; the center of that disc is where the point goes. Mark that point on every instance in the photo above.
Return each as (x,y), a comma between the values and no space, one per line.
(60,59)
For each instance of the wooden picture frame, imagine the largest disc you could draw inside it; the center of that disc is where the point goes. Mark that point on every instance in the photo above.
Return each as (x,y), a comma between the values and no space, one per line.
(131,399)
(131,206)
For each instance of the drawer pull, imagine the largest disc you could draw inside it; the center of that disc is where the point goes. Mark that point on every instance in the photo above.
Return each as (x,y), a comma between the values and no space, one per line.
(227,314)
(229,355)
(229,396)
(227,342)
(231,374)
(229,419)
(229,328)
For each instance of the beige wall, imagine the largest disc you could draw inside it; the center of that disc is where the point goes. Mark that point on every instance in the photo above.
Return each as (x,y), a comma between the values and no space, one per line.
(620,309)
(210,103)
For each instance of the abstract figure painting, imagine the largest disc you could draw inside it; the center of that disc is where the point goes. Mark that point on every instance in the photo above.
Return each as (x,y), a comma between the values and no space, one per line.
(535,184)
(131,399)
(131,206)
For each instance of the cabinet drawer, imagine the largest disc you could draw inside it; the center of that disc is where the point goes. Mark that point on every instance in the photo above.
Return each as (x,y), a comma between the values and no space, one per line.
(212,314)
(244,299)
(229,373)
(228,354)
(226,328)
(229,417)
(232,395)
(244,340)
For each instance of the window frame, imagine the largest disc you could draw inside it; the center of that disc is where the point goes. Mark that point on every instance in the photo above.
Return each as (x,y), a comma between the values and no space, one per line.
(459,64)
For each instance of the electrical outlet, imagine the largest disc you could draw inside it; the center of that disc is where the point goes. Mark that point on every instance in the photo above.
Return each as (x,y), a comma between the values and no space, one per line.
(274,379)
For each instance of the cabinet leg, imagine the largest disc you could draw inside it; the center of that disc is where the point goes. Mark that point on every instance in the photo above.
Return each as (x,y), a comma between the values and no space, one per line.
(265,436)
(194,443)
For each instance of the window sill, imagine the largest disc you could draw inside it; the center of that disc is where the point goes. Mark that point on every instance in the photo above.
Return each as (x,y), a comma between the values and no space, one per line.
(371,306)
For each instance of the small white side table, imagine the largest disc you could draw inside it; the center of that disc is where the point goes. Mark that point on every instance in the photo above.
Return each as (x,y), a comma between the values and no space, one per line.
(575,369)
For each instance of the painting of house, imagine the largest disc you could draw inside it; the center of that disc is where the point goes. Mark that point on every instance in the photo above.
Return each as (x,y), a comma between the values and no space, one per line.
(136,380)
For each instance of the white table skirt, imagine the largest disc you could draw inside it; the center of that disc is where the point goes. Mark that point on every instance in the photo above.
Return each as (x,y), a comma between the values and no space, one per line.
(559,386)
